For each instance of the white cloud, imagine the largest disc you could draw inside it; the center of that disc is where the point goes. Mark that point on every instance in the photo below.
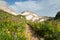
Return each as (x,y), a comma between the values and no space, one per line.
(43,7)
(26,6)
(2,3)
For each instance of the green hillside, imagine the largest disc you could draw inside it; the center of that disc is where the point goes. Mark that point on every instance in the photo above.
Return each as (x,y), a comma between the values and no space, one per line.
(11,27)
(47,30)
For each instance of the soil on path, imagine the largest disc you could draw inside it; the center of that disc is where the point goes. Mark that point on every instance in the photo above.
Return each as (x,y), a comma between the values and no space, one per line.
(30,33)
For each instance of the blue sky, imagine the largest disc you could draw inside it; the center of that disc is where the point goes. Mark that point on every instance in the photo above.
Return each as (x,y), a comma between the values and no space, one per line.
(40,7)
(10,2)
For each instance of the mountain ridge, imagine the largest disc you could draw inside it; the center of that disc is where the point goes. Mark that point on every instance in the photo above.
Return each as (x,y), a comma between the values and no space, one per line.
(31,16)
(5,8)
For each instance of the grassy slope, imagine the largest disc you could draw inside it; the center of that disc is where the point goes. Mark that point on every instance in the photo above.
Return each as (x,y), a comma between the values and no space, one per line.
(48,30)
(11,27)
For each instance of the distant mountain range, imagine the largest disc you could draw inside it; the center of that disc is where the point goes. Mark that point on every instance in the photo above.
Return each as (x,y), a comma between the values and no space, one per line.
(29,15)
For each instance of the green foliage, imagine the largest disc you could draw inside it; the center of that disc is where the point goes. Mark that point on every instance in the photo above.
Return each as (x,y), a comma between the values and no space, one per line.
(10,31)
(57,16)
(11,27)
(21,17)
(46,30)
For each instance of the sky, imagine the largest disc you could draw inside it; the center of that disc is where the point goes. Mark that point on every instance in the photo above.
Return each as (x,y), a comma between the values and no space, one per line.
(40,7)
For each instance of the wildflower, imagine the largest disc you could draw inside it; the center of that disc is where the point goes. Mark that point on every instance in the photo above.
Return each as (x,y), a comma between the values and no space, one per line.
(8,20)
(19,33)
(13,33)
(8,32)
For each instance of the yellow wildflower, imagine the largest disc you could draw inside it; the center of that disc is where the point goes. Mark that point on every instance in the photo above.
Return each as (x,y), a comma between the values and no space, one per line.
(8,20)
(8,32)
(18,33)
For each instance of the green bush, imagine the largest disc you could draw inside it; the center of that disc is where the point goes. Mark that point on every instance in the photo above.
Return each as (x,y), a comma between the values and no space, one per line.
(57,16)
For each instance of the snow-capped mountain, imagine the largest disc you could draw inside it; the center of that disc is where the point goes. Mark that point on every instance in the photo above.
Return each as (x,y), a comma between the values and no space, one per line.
(33,17)
(29,15)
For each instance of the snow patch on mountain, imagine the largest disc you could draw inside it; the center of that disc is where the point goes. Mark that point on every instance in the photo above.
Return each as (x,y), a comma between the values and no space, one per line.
(33,17)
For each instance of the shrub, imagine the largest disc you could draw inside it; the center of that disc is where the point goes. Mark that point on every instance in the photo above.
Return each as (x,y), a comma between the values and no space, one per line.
(57,16)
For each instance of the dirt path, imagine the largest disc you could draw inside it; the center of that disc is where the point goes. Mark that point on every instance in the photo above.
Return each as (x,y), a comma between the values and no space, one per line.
(30,33)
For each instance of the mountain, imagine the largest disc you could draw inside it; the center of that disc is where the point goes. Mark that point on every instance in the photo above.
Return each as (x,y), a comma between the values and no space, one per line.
(33,17)
(16,27)
(28,15)
(5,8)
